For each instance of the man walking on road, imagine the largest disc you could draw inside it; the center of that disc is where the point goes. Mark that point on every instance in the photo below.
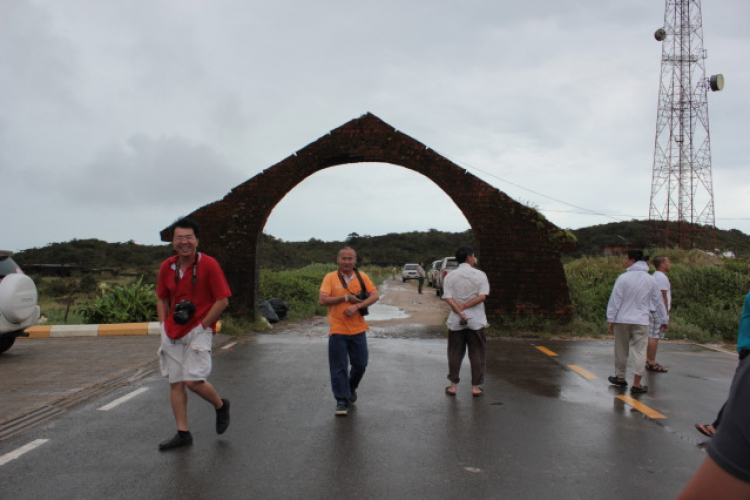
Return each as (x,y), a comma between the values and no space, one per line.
(347,293)
(628,317)
(662,265)
(192,293)
(420,280)
(465,289)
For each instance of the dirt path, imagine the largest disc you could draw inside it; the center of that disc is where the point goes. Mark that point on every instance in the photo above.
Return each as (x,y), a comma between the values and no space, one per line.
(400,313)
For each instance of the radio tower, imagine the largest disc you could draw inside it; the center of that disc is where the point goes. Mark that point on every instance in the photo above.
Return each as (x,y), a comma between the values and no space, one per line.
(682,198)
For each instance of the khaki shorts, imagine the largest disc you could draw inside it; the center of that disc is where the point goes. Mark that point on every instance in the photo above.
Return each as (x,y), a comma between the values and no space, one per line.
(188,358)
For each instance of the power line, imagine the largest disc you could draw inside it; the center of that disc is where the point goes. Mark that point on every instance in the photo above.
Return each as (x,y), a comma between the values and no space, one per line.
(586,211)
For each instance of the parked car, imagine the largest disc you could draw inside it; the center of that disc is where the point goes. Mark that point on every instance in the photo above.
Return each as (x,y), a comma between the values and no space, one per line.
(447,265)
(410,272)
(432,272)
(18,302)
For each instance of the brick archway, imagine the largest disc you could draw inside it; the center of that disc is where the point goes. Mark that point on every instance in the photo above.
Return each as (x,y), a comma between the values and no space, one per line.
(520,249)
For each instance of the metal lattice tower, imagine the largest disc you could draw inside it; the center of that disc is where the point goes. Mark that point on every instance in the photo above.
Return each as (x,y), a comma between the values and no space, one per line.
(682,198)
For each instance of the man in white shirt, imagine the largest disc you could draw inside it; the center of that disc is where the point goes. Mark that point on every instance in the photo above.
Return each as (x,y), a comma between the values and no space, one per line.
(628,317)
(465,289)
(662,265)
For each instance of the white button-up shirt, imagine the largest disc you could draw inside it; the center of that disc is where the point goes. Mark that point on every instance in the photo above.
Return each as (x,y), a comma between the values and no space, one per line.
(462,285)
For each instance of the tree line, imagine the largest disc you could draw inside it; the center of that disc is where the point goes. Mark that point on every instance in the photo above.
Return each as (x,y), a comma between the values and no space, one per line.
(386,250)
(274,253)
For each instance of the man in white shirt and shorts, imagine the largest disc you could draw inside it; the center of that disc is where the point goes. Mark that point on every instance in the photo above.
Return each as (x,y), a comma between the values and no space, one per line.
(662,265)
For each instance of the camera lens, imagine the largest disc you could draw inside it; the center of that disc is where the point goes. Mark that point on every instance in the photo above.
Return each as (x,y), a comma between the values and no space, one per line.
(183,311)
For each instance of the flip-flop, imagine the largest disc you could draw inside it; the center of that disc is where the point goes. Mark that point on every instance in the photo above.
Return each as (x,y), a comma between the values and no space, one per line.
(703,429)
(477,394)
(639,390)
(448,392)
(656,367)
(617,381)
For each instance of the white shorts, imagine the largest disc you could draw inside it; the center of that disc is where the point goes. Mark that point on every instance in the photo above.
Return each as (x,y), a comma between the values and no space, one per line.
(188,358)
(654,327)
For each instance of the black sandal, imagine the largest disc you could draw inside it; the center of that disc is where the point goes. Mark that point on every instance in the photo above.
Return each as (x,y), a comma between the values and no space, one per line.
(656,367)
(618,381)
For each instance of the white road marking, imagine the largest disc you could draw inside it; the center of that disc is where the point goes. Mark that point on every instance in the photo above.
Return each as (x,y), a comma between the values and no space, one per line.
(121,400)
(20,451)
(230,345)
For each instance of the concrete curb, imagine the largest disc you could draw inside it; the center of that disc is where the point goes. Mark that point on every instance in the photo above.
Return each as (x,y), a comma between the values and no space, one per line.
(62,331)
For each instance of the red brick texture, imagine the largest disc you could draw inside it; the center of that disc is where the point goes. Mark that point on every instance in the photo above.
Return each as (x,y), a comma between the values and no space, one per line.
(518,248)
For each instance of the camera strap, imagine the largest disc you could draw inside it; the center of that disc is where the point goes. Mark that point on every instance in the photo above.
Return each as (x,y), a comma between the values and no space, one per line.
(359,277)
(194,279)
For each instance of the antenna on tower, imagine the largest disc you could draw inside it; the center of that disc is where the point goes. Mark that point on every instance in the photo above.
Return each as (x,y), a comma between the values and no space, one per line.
(682,198)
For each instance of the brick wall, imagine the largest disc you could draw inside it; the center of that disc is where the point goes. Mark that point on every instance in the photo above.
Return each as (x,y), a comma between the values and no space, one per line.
(518,248)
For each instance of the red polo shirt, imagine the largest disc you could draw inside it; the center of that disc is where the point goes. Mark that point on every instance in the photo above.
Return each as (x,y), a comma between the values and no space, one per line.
(210,287)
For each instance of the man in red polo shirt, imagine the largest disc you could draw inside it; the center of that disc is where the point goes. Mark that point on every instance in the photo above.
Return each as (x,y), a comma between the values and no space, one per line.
(192,293)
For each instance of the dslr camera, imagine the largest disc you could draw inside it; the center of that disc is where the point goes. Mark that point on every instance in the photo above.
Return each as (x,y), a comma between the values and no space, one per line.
(362,296)
(182,312)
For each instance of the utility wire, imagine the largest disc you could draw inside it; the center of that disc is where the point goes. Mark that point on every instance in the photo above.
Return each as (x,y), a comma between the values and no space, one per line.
(586,211)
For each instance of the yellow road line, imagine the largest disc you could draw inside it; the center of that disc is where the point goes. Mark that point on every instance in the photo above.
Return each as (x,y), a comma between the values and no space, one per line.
(546,351)
(583,373)
(640,407)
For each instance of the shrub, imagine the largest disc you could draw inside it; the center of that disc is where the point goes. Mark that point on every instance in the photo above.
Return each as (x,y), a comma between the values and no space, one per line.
(709,298)
(300,288)
(590,281)
(121,304)
(680,330)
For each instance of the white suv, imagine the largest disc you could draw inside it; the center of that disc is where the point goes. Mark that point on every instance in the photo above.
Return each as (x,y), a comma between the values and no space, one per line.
(410,272)
(18,301)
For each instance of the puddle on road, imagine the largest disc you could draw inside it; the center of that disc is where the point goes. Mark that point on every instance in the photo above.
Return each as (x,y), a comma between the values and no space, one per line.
(382,312)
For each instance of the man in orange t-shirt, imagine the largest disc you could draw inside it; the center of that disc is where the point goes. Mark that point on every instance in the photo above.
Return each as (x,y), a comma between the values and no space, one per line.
(342,293)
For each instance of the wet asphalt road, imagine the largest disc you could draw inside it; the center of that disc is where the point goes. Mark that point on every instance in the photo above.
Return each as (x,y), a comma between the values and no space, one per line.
(542,430)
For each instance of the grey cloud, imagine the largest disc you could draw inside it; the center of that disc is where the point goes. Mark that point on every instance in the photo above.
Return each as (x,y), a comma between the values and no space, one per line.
(558,97)
(168,171)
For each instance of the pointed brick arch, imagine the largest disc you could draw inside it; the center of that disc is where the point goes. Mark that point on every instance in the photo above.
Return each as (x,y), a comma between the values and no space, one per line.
(519,249)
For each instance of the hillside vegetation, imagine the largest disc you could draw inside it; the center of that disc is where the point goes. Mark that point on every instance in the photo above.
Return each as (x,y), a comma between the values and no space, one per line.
(593,239)
(386,250)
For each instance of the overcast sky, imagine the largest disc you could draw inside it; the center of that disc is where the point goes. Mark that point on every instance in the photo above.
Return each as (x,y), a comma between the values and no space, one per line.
(118,116)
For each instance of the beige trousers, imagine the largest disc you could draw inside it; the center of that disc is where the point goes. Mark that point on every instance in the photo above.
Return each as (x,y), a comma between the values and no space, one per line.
(631,341)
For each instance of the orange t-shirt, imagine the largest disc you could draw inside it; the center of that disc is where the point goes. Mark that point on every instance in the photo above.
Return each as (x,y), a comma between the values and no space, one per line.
(338,321)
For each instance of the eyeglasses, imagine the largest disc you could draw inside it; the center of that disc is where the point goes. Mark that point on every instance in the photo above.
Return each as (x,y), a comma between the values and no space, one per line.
(189,237)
